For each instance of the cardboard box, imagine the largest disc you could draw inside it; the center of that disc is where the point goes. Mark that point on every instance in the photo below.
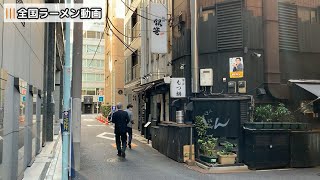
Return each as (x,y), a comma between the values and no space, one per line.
(186,150)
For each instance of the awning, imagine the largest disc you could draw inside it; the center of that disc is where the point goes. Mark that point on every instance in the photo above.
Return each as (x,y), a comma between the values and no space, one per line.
(148,86)
(312,88)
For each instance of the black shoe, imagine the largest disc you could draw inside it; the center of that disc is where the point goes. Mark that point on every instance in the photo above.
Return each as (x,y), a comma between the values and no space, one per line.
(129,146)
(119,153)
(123,155)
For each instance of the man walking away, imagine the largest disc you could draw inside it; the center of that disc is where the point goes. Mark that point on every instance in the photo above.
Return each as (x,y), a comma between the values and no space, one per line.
(129,126)
(120,120)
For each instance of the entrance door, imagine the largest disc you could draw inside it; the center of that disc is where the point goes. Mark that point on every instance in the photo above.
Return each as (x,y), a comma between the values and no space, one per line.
(87,108)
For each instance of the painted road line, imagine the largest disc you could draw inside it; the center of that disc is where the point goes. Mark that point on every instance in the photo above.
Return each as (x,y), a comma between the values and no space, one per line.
(102,135)
(95,125)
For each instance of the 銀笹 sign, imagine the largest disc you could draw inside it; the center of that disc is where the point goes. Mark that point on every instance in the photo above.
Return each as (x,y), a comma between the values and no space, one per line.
(178,88)
(158,26)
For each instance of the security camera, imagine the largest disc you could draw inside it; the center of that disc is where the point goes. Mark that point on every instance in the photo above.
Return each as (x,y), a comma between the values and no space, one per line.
(257,54)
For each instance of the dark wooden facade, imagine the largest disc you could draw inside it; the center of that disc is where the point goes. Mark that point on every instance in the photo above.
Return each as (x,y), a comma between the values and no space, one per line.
(285,32)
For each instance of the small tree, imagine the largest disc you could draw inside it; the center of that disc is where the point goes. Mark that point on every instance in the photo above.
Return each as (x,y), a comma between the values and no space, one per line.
(207,143)
(105,110)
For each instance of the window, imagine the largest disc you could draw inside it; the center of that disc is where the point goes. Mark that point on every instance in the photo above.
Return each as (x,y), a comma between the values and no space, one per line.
(91,92)
(84,62)
(91,48)
(91,34)
(91,77)
(307,15)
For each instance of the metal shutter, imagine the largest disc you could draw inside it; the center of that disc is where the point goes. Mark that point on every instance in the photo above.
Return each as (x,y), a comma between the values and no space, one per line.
(229,28)
(288,28)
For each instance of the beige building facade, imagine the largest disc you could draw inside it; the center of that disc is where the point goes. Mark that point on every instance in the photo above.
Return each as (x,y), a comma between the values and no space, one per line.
(114,55)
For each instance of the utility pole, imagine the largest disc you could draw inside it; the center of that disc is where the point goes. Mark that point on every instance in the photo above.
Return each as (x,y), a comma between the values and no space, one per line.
(66,104)
(76,89)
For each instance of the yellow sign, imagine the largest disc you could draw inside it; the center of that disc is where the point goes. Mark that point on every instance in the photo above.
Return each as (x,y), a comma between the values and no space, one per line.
(236,67)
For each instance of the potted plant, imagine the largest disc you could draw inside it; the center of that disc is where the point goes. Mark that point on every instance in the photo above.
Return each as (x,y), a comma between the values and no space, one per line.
(207,150)
(226,155)
(207,143)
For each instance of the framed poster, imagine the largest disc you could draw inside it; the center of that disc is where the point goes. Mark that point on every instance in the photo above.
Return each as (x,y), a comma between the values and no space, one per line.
(236,67)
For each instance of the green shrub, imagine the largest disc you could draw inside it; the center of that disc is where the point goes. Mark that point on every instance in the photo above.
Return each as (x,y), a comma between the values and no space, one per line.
(269,113)
(227,148)
(105,110)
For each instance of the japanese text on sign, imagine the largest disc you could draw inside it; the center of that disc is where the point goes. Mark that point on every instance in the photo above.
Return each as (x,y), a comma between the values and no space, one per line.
(178,88)
(158,25)
(52,12)
(65,121)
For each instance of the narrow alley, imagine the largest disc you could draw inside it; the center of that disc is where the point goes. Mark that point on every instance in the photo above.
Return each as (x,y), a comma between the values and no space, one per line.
(99,161)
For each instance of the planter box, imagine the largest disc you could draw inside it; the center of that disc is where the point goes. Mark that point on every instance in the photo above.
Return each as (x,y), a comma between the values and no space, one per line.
(286,125)
(267,125)
(254,125)
(266,149)
(227,159)
(277,125)
(208,159)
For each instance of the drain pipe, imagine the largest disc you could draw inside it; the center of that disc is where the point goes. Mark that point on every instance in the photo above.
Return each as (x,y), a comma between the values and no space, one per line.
(194,47)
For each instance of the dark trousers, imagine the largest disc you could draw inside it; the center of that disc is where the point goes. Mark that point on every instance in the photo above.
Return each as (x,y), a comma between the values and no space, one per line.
(121,138)
(129,130)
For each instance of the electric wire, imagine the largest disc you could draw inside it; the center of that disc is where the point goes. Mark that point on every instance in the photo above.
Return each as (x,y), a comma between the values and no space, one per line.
(145,12)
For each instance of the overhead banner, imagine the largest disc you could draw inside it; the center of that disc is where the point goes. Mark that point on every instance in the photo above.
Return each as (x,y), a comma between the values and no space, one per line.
(158,25)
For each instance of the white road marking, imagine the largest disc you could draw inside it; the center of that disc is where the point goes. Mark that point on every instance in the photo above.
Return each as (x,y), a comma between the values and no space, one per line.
(95,125)
(102,135)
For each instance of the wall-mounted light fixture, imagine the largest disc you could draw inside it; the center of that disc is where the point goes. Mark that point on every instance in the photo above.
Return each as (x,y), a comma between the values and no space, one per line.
(256,54)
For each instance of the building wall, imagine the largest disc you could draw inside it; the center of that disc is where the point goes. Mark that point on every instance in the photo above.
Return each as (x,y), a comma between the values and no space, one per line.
(90,66)
(21,56)
(292,63)
(114,53)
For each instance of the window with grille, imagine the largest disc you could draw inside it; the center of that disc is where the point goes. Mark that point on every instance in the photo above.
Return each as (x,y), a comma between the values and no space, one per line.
(229,27)
(288,27)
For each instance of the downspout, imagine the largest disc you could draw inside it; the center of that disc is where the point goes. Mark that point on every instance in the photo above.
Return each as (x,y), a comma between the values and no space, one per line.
(194,47)
(271,49)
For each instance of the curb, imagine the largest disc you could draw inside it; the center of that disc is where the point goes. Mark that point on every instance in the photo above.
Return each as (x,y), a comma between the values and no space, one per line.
(48,164)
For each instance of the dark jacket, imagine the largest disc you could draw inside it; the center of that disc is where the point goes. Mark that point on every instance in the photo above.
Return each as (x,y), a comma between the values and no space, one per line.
(120,120)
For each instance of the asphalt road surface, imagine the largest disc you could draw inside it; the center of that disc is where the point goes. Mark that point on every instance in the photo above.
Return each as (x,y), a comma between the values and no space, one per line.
(100,162)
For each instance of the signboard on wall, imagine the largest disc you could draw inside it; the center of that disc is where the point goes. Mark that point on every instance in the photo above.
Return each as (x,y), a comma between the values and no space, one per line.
(236,67)
(158,26)
(178,88)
